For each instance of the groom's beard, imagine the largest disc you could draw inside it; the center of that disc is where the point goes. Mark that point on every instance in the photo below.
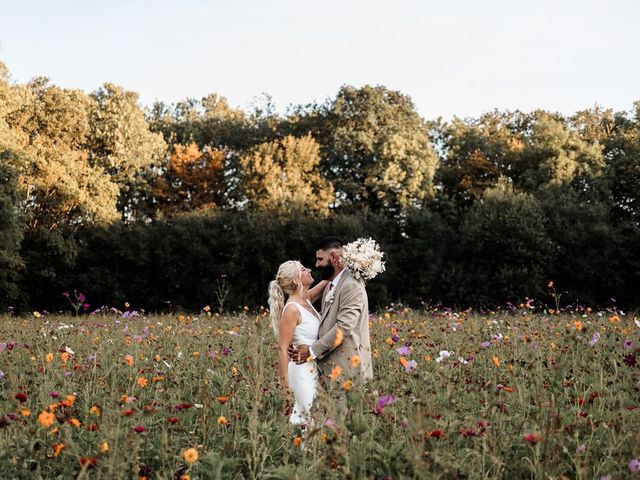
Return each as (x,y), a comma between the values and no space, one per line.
(326,272)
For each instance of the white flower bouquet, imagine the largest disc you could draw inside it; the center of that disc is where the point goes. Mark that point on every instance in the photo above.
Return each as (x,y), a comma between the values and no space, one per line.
(363,258)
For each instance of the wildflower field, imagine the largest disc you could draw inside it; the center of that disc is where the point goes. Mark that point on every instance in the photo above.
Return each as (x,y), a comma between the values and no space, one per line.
(511,394)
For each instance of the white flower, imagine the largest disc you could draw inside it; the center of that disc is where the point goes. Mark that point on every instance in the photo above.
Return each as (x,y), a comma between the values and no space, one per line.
(363,258)
(443,355)
(69,351)
(329,297)
(637,322)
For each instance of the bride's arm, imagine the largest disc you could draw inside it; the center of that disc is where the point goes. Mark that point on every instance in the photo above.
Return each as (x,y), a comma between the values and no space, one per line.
(314,293)
(288,323)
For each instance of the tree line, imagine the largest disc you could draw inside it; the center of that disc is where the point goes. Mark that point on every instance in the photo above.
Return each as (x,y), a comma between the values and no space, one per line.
(167,205)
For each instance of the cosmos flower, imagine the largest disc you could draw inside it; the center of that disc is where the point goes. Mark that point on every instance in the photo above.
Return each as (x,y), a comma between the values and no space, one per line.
(190,455)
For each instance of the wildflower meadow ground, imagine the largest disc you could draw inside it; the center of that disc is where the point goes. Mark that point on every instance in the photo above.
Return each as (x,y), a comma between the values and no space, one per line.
(505,394)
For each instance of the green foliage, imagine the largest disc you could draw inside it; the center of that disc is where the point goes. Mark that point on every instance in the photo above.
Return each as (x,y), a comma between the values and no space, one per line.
(10,235)
(504,250)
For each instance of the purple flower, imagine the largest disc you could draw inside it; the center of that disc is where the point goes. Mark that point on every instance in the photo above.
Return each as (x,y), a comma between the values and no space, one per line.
(383,402)
(634,465)
(595,339)
(628,344)
(485,344)
(2,375)
(405,351)
(581,448)
(81,297)
(410,366)
(629,360)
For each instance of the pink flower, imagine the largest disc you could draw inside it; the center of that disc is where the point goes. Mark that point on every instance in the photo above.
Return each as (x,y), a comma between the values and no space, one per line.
(532,437)
(139,429)
(634,465)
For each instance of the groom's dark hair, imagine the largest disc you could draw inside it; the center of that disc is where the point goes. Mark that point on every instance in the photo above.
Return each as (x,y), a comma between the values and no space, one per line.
(328,243)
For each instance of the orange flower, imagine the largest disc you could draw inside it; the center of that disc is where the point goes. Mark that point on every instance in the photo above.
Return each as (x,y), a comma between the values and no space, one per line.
(57,448)
(388,341)
(496,361)
(297,441)
(355,361)
(68,401)
(49,357)
(347,384)
(614,319)
(104,447)
(128,359)
(64,356)
(25,412)
(403,361)
(339,337)
(336,372)
(75,422)
(46,418)
(578,325)
(222,400)
(222,420)
(95,410)
(142,382)
(190,455)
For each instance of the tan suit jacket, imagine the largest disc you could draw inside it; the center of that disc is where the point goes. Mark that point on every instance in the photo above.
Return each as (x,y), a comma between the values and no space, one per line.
(348,311)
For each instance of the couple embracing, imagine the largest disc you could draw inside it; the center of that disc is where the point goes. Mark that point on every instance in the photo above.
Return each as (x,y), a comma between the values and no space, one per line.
(316,347)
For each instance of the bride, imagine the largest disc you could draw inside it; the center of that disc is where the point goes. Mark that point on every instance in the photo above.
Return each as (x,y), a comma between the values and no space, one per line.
(297,322)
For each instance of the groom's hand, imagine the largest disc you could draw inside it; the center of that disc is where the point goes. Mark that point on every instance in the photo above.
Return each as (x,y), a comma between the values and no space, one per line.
(300,354)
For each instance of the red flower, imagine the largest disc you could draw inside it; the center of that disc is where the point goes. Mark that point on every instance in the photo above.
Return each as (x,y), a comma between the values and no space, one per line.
(183,406)
(21,396)
(128,413)
(90,462)
(172,420)
(436,434)
(532,437)
(468,432)
(139,429)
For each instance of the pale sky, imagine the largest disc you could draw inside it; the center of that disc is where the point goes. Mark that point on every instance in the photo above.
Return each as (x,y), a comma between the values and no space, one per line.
(456,57)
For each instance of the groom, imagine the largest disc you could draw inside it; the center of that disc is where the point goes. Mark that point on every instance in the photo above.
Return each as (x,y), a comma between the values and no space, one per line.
(343,350)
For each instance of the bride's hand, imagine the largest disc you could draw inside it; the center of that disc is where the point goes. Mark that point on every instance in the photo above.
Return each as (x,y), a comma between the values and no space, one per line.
(286,404)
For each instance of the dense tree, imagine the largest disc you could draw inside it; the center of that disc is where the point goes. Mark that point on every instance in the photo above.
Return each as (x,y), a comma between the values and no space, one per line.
(121,143)
(192,180)
(376,151)
(10,235)
(282,177)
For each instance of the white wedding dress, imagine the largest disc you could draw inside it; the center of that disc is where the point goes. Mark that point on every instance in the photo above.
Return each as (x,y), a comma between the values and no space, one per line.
(303,378)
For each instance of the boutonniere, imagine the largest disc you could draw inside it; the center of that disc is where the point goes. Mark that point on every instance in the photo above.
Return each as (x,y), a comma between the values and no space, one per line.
(329,298)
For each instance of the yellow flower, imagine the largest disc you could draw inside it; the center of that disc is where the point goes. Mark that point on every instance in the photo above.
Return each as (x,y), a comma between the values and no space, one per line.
(157,358)
(126,305)
(185,476)
(46,418)
(37,314)
(49,357)
(25,412)
(207,308)
(355,361)
(550,284)
(142,382)
(190,455)
(221,420)
(104,447)
(128,359)
(347,384)
(95,410)
(496,361)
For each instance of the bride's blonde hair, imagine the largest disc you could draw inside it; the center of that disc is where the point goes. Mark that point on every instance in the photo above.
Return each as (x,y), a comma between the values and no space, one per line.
(284,284)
